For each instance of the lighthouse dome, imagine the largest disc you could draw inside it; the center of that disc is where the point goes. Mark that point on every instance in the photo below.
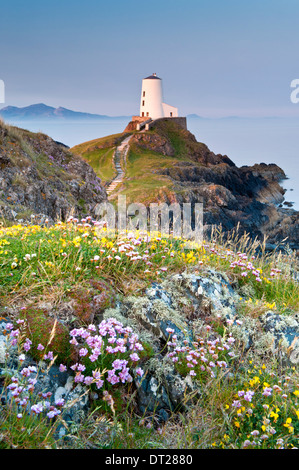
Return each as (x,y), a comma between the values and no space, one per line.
(152,77)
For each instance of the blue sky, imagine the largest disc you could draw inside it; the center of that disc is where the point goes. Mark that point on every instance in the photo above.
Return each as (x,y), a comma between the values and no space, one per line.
(216,57)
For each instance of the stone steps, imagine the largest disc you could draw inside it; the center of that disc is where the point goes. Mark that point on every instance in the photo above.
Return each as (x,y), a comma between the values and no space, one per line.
(119,154)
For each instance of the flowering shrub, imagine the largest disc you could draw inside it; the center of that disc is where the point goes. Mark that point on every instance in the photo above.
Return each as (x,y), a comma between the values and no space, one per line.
(28,416)
(265,412)
(56,262)
(108,354)
(204,358)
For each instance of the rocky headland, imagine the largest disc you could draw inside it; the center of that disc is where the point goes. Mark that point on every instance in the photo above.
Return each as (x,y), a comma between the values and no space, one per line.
(41,179)
(250,197)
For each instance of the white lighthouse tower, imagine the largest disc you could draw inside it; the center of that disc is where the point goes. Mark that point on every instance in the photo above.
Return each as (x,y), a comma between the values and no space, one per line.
(151,103)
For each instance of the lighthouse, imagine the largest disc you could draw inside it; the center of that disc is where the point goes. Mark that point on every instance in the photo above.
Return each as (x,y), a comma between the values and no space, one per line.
(151,102)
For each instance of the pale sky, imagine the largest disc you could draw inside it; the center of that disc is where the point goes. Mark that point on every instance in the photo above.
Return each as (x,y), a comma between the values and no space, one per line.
(216,57)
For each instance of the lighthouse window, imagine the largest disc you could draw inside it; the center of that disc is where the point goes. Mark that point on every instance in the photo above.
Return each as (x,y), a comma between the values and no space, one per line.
(147,114)
(142,103)
(143,93)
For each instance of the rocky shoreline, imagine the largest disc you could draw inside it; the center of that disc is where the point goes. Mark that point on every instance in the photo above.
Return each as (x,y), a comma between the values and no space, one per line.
(250,197)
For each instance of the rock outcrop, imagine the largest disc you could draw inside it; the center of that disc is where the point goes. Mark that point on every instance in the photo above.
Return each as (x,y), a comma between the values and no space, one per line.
(187,304)
(250,197)
(42,178)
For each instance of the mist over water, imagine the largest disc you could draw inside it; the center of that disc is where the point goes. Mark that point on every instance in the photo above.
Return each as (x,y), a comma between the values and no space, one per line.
(245,141)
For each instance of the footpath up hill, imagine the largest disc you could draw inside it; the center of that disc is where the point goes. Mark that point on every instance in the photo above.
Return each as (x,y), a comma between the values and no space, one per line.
(167,164)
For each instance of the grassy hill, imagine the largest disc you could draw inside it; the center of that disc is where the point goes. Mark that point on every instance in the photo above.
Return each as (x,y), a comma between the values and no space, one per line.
(167,164)
(164,146)
(99,154)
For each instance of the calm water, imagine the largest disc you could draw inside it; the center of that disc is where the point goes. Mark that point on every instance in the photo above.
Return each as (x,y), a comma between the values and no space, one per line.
(245,141)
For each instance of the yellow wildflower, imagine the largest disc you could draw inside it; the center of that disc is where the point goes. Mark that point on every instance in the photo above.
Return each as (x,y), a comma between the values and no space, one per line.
(287,424)
(274,415)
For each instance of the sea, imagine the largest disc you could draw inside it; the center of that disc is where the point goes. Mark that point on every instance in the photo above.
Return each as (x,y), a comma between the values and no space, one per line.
(245,141)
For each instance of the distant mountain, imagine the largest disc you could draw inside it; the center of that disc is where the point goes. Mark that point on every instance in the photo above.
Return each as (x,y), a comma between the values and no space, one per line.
(194,116)
(42,111)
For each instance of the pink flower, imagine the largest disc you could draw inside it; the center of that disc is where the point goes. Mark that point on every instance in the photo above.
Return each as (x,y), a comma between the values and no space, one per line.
(134,357)
(59,402)
(83,352)
(37,408)
(139,372)
(88,380)
(27,344)
(79,378)
(99,383)
(248,395)
(49,356)
(267,392)
(53,413)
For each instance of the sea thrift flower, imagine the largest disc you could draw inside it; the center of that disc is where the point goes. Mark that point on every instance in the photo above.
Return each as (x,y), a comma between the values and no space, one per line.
(248,395)
(37,409)
(139,372)
(267,391)
(134,357)
(83,352)
(49,356)
(27,344)
(51,414)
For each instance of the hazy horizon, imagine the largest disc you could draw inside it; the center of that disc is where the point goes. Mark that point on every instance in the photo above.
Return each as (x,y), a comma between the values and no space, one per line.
(295,116)
(245,141)
(216,58)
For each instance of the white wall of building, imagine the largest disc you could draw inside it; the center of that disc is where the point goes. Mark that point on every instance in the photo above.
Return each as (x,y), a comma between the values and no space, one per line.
(151,102)
(151,98)
(169,111)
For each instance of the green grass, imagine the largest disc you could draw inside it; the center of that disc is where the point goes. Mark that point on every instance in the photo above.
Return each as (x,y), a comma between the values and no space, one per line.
(101,162)
(101,143)
(99,154)
(184,146)
(142,183)
(66,262)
